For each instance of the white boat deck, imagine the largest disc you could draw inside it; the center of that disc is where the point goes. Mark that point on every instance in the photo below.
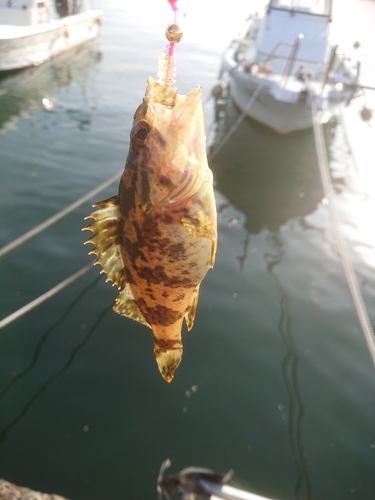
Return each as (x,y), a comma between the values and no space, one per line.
(11,32)
(32,32)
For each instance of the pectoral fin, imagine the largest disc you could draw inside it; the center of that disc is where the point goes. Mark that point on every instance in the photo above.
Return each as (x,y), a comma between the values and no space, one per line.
(105,240)
(200,226)
(126,305)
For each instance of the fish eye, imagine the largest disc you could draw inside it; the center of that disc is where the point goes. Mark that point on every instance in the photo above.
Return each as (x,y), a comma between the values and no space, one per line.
(140,132)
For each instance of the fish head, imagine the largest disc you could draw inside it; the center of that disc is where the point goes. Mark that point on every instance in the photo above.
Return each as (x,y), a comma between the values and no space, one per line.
(168,131)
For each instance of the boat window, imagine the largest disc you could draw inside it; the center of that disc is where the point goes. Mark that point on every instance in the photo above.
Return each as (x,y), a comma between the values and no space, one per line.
(317,7)
(68,7)
(41,5)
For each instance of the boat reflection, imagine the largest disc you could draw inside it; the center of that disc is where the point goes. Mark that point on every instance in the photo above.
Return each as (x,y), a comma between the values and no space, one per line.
(269,177)
(30,89)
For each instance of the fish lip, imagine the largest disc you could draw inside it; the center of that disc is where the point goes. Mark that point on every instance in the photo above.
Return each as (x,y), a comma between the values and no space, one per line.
(156,93)
(189,104)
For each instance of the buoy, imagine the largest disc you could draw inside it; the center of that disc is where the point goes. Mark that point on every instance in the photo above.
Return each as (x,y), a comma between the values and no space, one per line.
(217,90)
(366,114)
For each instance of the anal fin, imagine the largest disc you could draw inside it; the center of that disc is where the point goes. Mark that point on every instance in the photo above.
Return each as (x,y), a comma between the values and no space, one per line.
(126,305)
(213,252)
(192,309)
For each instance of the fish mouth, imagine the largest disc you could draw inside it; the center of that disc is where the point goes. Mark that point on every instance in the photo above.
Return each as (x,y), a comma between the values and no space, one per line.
(158,94)
(168,361)
(187,106)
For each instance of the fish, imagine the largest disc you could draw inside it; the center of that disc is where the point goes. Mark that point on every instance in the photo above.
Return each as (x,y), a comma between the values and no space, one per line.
(157,238)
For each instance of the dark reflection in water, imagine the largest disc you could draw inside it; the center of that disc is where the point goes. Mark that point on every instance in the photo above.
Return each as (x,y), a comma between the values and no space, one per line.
(24,90)
(290,373)
(282,172)
(273,171)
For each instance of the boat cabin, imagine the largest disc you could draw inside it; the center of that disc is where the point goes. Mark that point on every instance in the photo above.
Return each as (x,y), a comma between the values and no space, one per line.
(301,26)
(34,12)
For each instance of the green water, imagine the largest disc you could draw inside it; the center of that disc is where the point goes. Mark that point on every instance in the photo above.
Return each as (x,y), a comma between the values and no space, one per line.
(276,380)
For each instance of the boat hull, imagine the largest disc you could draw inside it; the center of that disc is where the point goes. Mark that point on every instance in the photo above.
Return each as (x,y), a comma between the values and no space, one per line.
(283,117)
(26,47)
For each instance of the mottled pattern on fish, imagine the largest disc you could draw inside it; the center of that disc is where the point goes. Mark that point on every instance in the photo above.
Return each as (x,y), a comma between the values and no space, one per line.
(157,238)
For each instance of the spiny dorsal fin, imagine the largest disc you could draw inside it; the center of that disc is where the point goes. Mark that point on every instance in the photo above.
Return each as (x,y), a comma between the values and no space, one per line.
(126,305)
(105,239)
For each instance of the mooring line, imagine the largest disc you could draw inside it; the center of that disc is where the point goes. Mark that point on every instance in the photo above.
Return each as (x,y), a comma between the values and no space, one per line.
(237,123)
(29,234)
(42,298)
(341,246)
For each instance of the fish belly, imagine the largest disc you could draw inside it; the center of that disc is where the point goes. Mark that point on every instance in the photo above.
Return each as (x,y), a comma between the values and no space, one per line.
(165,266)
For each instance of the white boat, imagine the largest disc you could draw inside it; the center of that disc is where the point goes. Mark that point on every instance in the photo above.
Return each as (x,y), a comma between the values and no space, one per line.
(32,32)
(282,58)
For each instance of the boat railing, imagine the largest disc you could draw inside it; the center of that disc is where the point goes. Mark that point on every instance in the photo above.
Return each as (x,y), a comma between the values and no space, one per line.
(332,57)
(292,57)
(334,70)
(272,54)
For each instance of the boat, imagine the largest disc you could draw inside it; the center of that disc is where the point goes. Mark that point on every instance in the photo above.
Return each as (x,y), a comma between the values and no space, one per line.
(283,59)
(32,32)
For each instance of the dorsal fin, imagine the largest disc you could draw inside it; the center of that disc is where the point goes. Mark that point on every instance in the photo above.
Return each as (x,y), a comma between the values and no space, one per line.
(105,239)
(126,305)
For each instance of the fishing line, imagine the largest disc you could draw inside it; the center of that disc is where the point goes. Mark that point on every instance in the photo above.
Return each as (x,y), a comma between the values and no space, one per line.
(37,229)
(42,298)
(341,247)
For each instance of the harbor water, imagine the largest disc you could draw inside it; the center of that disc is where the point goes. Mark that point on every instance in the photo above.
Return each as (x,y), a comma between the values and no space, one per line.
(276,380)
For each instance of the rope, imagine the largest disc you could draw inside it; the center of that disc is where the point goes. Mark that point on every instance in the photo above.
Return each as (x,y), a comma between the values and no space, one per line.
(342,249)
(29,234)
(237,123)
(31,305)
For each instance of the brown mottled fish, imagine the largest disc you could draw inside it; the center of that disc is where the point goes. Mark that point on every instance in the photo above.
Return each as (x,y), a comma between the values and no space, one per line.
(157,238)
